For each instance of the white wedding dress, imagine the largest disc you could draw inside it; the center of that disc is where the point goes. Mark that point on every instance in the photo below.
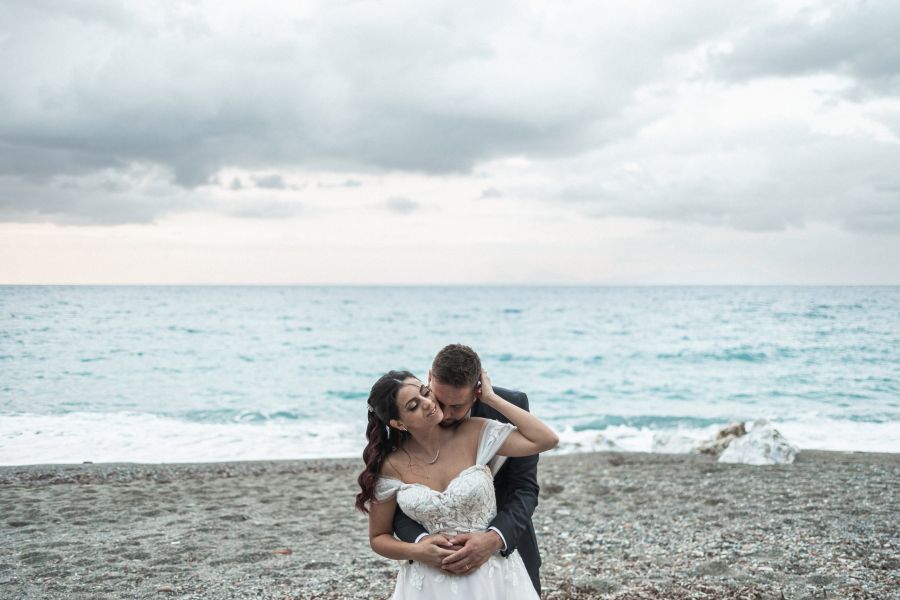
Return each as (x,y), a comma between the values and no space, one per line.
(468,504)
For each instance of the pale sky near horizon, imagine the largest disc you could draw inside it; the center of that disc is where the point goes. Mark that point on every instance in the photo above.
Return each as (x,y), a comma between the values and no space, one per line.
(647,142)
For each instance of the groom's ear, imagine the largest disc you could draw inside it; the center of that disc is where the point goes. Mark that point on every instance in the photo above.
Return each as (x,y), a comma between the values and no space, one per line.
(429,376)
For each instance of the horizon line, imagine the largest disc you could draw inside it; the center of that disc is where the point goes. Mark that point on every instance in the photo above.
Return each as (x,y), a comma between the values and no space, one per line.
(437,285)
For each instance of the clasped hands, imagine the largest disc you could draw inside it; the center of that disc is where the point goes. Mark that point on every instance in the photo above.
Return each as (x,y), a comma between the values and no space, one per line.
(459,554)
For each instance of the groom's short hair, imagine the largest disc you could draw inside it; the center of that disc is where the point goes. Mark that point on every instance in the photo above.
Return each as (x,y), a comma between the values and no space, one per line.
(456,365)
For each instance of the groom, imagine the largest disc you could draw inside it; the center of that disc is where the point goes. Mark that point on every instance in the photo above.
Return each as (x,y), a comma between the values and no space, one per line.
(455,381)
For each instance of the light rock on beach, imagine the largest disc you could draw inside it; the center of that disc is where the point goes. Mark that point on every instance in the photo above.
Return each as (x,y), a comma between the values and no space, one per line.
(764,445)
(665,442)
(723,439)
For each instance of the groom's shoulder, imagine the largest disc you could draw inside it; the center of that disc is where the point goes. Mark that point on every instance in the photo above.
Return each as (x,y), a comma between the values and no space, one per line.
(518,398)
(515,397)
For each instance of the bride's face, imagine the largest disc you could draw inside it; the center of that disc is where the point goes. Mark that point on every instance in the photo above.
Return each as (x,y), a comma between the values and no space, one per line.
(417,405)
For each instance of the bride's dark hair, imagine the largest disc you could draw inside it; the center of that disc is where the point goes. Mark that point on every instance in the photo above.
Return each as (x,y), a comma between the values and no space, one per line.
(381,436)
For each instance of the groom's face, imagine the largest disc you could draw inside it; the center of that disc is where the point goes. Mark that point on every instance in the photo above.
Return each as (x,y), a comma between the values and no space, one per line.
(455,401)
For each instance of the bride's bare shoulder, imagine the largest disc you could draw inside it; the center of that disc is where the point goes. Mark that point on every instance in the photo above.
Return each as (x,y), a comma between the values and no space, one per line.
(388,468)
(473,426)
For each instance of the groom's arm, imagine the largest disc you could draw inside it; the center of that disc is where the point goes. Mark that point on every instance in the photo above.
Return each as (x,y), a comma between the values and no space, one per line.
(406,528)
(517,504)
(517,492)
(517,489)
(410,530)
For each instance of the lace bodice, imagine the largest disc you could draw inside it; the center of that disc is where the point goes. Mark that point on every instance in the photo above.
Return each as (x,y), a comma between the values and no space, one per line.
(468,503)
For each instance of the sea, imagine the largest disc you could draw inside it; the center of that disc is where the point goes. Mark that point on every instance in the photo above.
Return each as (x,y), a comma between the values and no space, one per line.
(205,373)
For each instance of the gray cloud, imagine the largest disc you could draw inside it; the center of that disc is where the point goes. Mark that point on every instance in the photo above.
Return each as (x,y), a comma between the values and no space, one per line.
(107,198)
(778,182)
(347,183)
(148,103)
(263,210)
(271,182)
(857,39)
(401,205)
(343,86)
(491,193)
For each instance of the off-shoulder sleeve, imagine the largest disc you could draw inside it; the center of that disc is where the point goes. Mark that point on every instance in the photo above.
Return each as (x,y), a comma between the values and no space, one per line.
(493,435)
(386,488)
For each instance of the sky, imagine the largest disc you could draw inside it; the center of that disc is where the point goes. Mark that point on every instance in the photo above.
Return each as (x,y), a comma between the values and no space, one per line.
(560,142)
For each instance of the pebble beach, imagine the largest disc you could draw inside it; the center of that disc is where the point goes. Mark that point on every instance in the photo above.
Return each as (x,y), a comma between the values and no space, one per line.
(611,525)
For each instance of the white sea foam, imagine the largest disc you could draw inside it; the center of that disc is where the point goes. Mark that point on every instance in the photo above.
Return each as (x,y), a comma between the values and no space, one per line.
(815,433)
(127,437)
(830,434)
(135,437)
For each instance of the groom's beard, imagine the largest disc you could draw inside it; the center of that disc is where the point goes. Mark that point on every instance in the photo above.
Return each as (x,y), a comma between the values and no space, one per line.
(455,424)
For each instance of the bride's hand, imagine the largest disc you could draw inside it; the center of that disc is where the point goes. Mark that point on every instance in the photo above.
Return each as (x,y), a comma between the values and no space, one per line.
(434,548)
(476,548)
(485,391)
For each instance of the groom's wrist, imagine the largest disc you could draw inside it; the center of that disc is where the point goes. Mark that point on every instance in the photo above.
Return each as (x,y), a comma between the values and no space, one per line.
(501,541)
(417,548)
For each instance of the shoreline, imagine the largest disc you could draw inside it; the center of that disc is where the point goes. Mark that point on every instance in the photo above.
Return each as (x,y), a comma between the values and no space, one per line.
(618,525)
(95,472)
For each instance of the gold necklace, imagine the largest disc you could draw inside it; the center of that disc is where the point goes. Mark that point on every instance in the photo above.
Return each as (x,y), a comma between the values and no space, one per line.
(436,454)
(433,460)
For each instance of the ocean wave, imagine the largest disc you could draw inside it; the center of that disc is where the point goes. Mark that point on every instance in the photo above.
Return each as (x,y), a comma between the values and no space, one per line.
(655,422)
(139,437)
(815,434)
(230,415)
(245,361)
(740,354)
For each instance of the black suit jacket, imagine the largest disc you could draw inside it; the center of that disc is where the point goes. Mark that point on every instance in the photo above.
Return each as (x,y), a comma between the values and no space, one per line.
(516,487)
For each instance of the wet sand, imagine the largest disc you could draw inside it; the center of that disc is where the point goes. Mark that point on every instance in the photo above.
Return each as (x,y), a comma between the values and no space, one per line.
(610,525)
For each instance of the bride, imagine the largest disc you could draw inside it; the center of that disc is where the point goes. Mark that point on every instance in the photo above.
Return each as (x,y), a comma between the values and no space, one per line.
(442,478)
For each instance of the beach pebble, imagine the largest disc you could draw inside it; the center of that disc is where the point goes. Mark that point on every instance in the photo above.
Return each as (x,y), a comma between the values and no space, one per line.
(764,445)
(635,526)
(551,488)
(596,585)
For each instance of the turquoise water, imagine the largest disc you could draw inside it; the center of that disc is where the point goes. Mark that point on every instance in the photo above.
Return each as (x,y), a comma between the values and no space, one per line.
(216,373)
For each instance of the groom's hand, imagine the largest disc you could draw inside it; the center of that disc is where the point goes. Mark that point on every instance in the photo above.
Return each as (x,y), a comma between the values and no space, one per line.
(434,548)
(476,549)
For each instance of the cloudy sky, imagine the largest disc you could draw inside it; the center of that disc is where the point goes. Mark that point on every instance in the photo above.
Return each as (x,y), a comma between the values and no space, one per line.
(647,142)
